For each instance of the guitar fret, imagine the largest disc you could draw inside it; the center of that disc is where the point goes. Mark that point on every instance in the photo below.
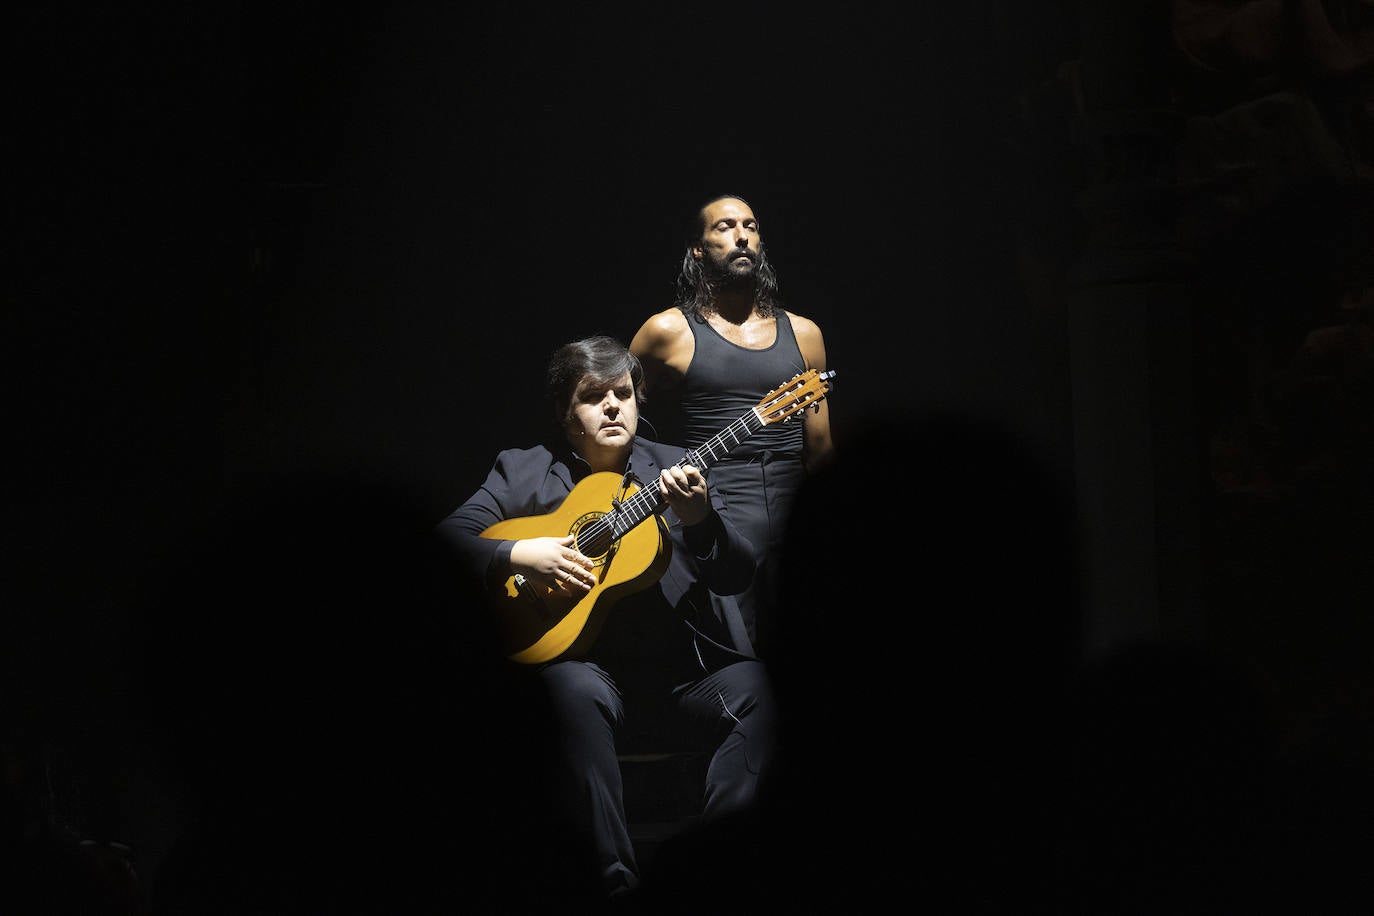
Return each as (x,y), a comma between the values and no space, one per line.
(721,444)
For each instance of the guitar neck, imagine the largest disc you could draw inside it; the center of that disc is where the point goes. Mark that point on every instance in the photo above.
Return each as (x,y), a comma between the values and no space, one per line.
(647,500)
(723,442)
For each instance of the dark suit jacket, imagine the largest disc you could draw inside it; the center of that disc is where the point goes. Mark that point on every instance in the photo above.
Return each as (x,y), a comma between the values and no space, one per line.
(712,555)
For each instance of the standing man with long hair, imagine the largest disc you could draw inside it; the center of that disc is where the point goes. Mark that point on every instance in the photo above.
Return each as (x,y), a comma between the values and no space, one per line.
(727,341)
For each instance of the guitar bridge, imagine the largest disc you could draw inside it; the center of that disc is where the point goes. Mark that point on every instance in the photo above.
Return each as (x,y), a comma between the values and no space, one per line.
(529,593)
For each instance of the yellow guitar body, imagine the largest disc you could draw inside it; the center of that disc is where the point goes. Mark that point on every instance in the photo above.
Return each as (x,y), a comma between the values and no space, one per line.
(538,623)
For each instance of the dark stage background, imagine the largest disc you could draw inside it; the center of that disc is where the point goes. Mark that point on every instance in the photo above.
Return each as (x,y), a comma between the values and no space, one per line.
(324,250)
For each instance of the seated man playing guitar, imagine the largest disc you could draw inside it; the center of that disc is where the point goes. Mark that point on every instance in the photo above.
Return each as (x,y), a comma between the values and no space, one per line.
(614,615)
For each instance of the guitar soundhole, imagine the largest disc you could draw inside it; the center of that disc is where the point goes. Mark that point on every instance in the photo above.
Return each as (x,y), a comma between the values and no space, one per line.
(598,542)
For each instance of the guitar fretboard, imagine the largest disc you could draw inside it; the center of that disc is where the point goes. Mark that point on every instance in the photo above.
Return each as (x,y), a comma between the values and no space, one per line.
(600,534)
(723,442)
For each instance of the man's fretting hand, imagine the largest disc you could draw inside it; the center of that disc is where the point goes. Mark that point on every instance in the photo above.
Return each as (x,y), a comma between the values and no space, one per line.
(685,489)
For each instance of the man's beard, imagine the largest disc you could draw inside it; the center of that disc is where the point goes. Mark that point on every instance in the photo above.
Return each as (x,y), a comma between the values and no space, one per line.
(728,277)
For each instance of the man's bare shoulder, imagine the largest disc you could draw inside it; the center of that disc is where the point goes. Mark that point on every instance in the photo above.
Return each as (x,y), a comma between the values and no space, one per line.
(660,329)
(804,327)
(809,340)
(669,322)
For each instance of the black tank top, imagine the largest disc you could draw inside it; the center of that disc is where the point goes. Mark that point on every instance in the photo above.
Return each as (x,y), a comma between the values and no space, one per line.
(724,380)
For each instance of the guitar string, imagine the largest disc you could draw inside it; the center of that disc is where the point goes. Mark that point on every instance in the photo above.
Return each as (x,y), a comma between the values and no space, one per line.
(645,501)
(643,504)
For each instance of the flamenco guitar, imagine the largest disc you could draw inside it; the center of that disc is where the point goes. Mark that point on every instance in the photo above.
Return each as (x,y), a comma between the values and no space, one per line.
(604,514)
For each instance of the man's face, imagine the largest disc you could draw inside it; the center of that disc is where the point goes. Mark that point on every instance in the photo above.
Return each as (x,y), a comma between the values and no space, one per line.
(730,244)
(604,416)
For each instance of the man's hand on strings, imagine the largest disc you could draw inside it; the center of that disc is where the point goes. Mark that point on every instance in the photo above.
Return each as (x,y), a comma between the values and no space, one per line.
(553,562)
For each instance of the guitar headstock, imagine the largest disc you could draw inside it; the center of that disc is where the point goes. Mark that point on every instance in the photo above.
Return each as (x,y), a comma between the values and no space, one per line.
(805,390)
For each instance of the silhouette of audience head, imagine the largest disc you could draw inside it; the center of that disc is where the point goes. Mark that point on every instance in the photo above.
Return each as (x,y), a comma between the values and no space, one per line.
(330,692)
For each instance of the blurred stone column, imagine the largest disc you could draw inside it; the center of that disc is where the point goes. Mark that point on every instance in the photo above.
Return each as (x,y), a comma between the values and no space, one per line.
(1135,447)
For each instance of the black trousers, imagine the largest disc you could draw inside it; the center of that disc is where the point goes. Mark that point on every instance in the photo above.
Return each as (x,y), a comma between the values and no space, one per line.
(759,490)
(730,712)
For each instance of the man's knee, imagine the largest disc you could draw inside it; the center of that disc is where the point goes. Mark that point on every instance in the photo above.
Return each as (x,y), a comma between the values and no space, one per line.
(577,690)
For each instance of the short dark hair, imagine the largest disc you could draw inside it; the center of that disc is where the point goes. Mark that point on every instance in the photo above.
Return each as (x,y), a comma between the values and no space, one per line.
(601,358)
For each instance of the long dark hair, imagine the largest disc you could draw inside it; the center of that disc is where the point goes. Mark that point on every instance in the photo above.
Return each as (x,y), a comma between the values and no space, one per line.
(601,358)
(696,291)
